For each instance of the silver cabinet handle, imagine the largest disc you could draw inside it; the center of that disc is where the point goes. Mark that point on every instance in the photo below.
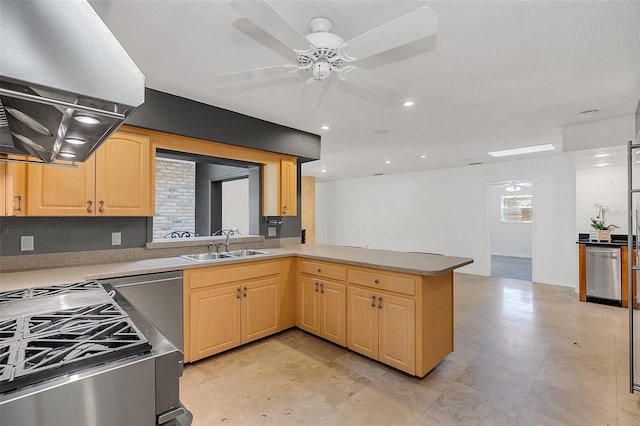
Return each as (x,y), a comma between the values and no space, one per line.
(101,209)
(245,292)
(379,302)
(373,301)
(89,204)
(238,293)
(316,286)
(321,287)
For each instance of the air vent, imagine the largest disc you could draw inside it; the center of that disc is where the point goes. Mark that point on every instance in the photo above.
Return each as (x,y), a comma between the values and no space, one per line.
(378,174)
(475,164)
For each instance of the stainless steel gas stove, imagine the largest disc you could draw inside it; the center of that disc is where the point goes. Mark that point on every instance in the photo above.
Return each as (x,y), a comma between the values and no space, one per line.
(78,343)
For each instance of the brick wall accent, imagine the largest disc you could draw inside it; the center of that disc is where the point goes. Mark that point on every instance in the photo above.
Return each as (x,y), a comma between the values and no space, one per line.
(175,197)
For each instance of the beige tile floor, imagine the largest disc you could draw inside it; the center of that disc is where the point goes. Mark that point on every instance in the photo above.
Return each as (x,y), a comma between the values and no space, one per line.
(525,354)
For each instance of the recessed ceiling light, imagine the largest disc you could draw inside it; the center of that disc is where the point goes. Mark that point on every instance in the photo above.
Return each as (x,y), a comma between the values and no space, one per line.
(325,127)
(408,104)
(74,141)
(323,170)
(67,155)
(601,164)
(85,119)
(588,113)
(602,155)
(423,156)
(524,150)
(387,162)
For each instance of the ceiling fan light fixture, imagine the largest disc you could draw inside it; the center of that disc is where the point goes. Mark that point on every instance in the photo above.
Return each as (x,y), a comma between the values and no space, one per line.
(321,70)
(513,187)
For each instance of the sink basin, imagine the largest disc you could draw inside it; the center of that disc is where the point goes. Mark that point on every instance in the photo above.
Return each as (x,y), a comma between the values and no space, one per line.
(245,252)
(206,257)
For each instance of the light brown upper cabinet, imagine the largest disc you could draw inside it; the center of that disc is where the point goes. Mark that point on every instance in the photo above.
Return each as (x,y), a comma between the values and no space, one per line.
(280,188)
(13,187)
(115,181)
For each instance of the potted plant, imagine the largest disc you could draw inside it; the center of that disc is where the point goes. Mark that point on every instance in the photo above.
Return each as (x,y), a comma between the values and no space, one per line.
(602,231)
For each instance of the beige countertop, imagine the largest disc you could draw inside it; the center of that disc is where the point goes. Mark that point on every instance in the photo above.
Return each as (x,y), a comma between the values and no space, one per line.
(422,264)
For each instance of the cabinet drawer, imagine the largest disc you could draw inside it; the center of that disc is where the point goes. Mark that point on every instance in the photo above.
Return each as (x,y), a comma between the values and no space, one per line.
(383,281)
(212,275)
(324,270)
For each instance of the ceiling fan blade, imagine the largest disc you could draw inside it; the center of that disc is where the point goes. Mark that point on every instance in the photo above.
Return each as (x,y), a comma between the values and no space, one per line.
(374,81)
(255,73)
(266,17)
(420,23)
(311,95)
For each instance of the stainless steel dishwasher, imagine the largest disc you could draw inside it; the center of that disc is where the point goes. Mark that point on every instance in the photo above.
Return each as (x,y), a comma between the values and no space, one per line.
(158,297)
(604,275)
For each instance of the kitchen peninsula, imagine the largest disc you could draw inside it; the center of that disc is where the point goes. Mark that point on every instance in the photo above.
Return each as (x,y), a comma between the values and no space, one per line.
(392,306)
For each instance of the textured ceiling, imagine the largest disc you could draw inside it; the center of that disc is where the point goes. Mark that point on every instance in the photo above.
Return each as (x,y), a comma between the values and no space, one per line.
(498,75)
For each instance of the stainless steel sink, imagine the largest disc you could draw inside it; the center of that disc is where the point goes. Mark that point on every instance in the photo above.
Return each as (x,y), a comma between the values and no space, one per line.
(243,253)
(206,257)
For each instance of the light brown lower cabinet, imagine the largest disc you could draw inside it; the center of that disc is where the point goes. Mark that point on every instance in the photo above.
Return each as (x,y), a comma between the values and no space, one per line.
(382,326)
(240,305)
(402,320)
(322,306)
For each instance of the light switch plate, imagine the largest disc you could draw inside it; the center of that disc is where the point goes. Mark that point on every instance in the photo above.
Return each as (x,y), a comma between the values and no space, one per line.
(272,231)
(26,243)
(116,238)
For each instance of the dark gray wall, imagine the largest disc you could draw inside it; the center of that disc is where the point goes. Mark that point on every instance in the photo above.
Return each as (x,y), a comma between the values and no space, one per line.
(172,114)
(64,234)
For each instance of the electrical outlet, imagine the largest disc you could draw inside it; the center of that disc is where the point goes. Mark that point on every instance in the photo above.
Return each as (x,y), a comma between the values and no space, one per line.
(116,238)
(272,231)
(26,243)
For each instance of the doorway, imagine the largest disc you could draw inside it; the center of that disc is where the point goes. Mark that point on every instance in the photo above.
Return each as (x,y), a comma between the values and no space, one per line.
(511,229)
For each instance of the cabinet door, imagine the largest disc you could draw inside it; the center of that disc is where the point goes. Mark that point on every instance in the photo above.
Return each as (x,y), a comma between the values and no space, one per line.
(61,191)
(19,203)
(123,176)
(308,316)
(259,308)
(215,321)
(288,188)
(397,316)
(362,322)
(333,306)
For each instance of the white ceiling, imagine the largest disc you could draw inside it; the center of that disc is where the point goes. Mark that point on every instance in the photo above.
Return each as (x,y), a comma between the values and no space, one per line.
(498,75)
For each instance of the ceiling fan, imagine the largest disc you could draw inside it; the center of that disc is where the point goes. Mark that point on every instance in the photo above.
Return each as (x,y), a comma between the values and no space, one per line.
(322,53)
(513,186)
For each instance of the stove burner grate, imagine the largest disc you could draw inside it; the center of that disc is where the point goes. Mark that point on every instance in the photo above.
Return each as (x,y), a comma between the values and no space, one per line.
(37,292)
(13,295)
(69,319)
(8,353)
(53,355)
(10,329)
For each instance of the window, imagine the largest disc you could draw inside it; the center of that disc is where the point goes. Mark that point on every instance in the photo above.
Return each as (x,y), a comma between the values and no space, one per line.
(516,208)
